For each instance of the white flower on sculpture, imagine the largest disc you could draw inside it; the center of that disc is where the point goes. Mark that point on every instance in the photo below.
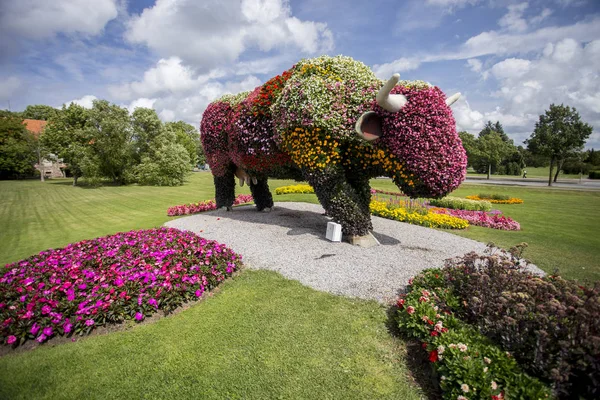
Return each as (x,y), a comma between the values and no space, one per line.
(464,387)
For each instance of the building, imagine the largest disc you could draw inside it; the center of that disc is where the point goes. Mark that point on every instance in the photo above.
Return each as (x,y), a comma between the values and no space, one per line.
(48,168)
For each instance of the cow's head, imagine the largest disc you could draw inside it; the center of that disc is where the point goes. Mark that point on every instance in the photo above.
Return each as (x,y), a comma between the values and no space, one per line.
(416,126)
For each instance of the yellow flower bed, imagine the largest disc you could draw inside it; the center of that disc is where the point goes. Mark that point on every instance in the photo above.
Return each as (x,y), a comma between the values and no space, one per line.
(512,200)
(380,208)
(294,189)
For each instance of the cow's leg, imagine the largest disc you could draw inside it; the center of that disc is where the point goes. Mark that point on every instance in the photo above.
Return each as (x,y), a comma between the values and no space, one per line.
(261,194)
(341,201)
(225,188)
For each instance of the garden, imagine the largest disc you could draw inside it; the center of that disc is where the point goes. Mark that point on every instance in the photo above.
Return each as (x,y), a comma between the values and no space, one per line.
(122,274)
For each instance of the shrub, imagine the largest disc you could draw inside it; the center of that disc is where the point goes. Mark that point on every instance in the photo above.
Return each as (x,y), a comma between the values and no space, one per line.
(493,219)
(551,325)
(382,209)
(496,199)
(207,205)
(458,203)
(594,175)
(108,280)
(294,189)
(467,363)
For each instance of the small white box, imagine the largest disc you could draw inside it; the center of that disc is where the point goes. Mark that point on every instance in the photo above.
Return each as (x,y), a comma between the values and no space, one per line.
(334,232)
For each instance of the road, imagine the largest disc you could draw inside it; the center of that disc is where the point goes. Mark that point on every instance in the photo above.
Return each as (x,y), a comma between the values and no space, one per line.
(587,184)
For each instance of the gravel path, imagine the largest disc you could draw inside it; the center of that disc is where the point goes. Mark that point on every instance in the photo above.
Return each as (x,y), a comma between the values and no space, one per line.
(291,240)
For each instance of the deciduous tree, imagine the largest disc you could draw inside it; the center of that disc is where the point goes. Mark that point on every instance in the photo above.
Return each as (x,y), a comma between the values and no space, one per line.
(558,133)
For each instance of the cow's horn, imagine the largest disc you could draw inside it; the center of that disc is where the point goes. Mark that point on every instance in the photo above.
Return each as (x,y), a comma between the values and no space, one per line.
(452,99)
(390,102)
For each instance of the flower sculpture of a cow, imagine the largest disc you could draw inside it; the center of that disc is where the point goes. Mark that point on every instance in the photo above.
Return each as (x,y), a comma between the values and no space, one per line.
(331,122)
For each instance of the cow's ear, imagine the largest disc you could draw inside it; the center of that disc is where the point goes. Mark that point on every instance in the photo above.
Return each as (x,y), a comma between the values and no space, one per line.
(368,126)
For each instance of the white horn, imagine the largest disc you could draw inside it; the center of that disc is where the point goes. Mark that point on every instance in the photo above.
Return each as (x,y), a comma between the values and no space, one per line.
(452,99)
(390,102)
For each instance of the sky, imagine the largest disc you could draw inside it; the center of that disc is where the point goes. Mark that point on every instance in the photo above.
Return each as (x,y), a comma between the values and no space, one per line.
(509,59)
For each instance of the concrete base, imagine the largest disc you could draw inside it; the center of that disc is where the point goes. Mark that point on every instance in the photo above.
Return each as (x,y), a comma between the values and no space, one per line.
(365,241)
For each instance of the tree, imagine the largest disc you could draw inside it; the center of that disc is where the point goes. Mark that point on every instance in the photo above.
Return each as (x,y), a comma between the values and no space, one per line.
(165,164)
(39,111)
(193,145)
(491,149)
(109,127)
(66,137)
(497,127)
(17,149)
(470,144)
(558,133)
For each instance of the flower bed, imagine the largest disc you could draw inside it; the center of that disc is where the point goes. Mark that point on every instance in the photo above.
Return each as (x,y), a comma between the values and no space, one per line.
(432,220)
(481,218)
(203,206)
(496,200)
(550,325)
(127,276)
(376,191)
(457,203)
(300,189)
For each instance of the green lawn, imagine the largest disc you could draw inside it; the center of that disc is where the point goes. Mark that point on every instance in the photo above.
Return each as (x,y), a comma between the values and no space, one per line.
(533,172)
(260,337)
(562,227)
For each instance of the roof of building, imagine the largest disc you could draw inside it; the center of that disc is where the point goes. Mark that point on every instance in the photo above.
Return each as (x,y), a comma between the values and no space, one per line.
(35,126)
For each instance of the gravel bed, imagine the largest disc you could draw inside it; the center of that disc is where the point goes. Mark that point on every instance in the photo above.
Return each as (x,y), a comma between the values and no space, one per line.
(291,240)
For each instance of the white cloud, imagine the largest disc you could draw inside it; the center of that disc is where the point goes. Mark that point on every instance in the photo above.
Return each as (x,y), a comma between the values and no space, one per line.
(37,19)
(210,33)
(546,12)
(384,71)
(86,101)
(511,68)
(474,64)
(466,118)
(142,102)
(9,87)
(513,20)
(418,15)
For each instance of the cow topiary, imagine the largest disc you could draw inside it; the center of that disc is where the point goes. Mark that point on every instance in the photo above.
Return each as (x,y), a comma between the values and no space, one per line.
(331,122)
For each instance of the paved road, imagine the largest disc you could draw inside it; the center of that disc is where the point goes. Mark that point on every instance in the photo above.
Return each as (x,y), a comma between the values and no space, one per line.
(587,184)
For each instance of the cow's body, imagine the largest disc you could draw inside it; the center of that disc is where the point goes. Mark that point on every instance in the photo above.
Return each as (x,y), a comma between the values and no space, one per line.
(329,121)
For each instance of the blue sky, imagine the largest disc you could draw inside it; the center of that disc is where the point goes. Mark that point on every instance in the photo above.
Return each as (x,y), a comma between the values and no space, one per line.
(509,59)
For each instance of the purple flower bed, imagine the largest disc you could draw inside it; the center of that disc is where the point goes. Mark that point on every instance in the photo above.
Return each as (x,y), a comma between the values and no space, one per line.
(108,280)
(202,206)
(490,219)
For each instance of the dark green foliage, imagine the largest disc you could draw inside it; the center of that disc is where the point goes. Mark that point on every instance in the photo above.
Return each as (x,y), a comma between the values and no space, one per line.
(594,175)
(469,142)
(551,325)
(189,137)
(40,112)
(493,196)
(345,200)
(261,194)
(557,134)
(225,187)
(17,149)
(497,127)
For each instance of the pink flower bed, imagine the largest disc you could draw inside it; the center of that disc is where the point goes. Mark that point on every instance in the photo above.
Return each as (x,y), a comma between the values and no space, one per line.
(108,280)
(202,206)
(481,218)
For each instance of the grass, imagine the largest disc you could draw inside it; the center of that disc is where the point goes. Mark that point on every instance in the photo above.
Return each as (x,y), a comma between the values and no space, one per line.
(260,337)
(562,227)
(532,172)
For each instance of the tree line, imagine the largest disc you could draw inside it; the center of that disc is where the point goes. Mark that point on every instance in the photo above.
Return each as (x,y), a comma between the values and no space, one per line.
(556,142)
(100,143)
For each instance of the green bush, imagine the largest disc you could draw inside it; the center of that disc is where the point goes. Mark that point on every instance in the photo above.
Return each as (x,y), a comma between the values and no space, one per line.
(594,175)
(551,325)
(167,167)
(467,363)
(494,196)
(458,203)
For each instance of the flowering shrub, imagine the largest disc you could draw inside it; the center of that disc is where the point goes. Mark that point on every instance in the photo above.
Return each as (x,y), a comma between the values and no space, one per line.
(550,324)
(482,218)
(468,365)
(207,205)
(496,200)
(294,189)
(108,280)
(432,220)
(458,203)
